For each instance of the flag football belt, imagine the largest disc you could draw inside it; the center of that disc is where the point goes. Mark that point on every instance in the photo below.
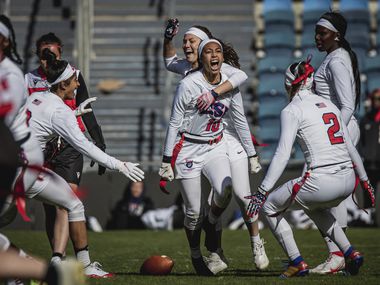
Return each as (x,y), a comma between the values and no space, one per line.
(200,141)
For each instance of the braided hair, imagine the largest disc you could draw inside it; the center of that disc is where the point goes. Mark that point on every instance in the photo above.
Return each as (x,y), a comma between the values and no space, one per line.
(11,50)
(340,23)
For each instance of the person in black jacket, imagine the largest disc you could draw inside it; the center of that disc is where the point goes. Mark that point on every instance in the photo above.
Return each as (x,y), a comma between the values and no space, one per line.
(128,211)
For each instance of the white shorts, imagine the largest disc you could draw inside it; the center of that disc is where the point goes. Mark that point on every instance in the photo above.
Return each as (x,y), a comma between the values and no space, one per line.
(192,157)
(321,190)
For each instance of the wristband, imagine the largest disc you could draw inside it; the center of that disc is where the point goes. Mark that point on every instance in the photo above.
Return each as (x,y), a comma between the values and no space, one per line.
(214,94)
(166,159)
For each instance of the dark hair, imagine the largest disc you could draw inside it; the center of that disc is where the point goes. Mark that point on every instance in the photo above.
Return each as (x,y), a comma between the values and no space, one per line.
(54,68)
(11,50)
(49,38)
(340,23)
(229,54)
(302,69)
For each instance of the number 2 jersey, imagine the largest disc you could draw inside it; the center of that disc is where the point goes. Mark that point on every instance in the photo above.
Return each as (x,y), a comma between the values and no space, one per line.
(317,125)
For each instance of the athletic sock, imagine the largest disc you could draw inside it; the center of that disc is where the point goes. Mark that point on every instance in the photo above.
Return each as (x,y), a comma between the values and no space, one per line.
(331,245)
(195,252)
(296,261)
(56,258)
(255,239)
(348,252)
(83,256)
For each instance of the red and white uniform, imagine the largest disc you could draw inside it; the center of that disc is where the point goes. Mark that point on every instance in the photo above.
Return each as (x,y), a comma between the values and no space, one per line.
(317,125)
(334,80)
(239,144)
(36,82)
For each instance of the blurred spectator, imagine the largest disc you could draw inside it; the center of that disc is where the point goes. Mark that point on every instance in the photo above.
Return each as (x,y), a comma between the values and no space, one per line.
(129,210)
(370,142)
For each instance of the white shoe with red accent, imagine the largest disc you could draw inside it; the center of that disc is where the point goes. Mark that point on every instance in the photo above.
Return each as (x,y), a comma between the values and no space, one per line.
(333,264)
(94,270)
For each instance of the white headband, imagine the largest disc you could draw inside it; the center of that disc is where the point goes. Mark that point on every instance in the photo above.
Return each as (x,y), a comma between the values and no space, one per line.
(197,32)
(4,30)
(66,74)
(327,24)
(204,43)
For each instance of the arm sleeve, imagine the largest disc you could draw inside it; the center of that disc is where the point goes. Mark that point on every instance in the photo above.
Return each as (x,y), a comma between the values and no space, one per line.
(89,119)
(176,118)
(235,76)
(289,127)
(241,124)
(65,124)
(176,65)
(341,80)
(355,157)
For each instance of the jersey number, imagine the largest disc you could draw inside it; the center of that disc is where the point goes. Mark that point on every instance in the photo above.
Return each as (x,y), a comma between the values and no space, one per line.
(329,118)
(213,125)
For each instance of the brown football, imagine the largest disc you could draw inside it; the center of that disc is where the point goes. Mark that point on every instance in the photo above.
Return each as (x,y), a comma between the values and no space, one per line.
(157,265)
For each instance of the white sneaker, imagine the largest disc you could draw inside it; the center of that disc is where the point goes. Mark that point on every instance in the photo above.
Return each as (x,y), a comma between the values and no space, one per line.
(220,252)
(259,256)
(333,264)
(94,270)
(14,282)
(214,263)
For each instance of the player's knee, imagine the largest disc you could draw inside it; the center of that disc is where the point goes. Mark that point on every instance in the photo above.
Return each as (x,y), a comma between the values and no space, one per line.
(76,212)
(4,243)
(223,199)
(193,221)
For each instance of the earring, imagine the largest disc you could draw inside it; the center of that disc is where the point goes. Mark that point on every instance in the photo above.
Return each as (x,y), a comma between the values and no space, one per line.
(336,39)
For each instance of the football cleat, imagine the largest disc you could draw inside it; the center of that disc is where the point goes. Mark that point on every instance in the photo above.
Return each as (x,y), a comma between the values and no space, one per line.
(259,256)
(353,263)
(333,264)
(214,263)
(94,270)
(220,252)
(301,269)
(201,267)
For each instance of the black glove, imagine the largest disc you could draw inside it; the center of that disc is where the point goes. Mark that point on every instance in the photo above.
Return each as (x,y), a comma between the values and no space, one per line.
(171,28)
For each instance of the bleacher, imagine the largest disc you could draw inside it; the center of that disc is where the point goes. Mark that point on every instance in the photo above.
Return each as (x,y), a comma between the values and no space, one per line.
(127,45)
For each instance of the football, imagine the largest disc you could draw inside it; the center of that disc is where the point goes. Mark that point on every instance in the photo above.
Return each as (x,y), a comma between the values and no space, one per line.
(157,265)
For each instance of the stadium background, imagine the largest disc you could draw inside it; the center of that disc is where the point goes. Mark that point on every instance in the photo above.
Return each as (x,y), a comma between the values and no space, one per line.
(121,41)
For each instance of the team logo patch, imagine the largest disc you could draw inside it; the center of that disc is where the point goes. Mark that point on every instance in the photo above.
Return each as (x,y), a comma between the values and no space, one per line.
(35,81)
(189,163)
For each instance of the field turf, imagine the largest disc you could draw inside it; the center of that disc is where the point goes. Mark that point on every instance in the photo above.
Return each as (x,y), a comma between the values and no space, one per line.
(123,252)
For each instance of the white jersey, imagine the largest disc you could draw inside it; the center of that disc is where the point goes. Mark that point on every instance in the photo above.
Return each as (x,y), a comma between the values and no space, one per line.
(334,80)
(321,133)
(36,81)
(186,119)
(236,77)
(16,94)
(50,117)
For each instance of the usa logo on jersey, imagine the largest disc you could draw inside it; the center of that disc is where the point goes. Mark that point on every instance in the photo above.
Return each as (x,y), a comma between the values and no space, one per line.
(216,110)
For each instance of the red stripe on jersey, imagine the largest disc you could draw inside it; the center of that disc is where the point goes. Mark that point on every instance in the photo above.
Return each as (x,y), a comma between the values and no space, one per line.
(37,89)
(41,73)
(5,109)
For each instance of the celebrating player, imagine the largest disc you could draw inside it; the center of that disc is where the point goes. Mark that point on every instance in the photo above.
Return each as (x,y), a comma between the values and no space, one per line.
(320,130)
(66,160)
(240,149)
(337,79)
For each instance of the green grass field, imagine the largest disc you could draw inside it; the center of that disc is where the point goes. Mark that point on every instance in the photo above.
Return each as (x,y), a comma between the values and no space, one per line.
(123,253)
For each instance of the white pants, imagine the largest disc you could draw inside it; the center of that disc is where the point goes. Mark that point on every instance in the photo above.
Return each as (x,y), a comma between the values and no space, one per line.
(48,188)
(321,191)
(216,167)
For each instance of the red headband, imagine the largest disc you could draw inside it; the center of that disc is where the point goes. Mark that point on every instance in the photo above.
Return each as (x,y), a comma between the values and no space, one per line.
(308,70)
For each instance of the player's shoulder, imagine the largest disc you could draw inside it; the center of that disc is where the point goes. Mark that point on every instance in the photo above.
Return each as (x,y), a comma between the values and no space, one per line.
(9,68)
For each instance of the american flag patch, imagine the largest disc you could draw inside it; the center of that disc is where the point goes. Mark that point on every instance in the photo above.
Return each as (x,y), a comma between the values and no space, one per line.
(36,102)
(321,105)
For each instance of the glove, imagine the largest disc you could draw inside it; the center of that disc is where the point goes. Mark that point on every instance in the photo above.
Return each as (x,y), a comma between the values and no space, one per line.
(257,201)
(131,170)
(166,171)
(254,164)
(81,109)
(172,29)
(206,100)
(366,185)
